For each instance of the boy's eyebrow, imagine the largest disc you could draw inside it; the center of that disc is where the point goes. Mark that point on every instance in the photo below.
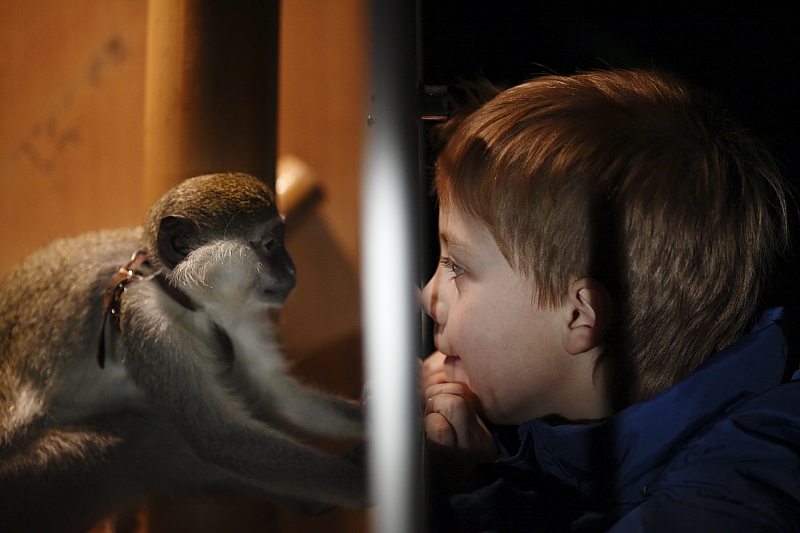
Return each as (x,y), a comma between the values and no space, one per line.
(453,241)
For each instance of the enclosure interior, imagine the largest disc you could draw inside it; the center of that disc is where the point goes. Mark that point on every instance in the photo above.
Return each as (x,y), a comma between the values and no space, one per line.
(77,150)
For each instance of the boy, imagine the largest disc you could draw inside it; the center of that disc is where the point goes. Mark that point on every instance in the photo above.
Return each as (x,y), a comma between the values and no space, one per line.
(605,240)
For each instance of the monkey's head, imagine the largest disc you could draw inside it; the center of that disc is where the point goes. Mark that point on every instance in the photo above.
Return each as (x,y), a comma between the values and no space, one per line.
(221,232)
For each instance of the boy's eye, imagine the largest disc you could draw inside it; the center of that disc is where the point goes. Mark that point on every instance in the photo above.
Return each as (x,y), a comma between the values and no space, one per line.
(451,266)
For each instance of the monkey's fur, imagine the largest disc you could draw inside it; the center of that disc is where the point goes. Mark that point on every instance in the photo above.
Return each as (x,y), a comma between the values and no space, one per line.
(187,399)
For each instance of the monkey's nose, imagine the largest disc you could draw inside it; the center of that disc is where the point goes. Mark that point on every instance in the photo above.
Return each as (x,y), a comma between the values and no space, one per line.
(277,290)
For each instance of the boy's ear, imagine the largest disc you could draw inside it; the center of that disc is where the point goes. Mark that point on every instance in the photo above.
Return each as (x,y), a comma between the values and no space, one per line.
(589,305)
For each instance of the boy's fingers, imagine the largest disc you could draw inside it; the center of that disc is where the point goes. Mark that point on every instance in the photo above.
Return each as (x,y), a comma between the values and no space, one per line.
(455,388)
(465,430)
(433,364)
(447,387)
(433,379)
(456,410)
(439,431)
(432,370)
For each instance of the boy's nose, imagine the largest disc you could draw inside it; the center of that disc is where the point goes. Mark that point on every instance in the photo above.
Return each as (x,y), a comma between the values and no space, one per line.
(431,300)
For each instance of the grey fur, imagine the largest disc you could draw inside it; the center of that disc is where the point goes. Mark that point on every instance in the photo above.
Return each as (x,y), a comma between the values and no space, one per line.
(171,410)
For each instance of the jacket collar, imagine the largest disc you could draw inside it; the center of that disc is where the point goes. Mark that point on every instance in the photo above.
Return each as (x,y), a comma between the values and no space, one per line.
(634,442)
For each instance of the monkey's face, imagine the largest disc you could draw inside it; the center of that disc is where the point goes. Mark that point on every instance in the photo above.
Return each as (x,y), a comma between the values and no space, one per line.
(246,271)
(279,277)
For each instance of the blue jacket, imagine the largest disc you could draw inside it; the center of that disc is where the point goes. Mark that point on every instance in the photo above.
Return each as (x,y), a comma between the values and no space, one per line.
(718,452)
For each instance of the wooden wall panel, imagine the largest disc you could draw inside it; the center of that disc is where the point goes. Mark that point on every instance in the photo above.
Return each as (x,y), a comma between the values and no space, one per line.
(322,102)
(81,148)
(71,134)
(323,98)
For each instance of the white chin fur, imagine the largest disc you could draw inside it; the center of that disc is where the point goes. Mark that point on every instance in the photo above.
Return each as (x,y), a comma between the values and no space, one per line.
(217,269)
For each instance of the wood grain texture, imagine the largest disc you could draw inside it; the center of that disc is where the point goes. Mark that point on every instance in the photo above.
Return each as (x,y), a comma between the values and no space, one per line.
(71,137)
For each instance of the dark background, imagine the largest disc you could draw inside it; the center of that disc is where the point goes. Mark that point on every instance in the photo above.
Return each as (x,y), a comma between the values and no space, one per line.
(746,54)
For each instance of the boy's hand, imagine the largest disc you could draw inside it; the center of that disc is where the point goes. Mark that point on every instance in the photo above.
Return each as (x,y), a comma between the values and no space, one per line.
(433,370)
(451,414)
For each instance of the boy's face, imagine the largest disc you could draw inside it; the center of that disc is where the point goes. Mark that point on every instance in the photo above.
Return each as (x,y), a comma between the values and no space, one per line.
(499,342)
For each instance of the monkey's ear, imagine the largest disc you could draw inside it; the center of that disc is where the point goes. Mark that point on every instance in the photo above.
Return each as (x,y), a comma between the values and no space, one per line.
(177,236)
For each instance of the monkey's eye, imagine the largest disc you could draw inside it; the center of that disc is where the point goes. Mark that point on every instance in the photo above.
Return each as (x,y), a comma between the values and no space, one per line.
(270,245)
(273,239)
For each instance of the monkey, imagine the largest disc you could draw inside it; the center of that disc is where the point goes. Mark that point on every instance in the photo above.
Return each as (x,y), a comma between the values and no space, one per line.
(147,360)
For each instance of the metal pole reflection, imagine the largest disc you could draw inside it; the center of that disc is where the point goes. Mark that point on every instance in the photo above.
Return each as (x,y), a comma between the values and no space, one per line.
(389,270)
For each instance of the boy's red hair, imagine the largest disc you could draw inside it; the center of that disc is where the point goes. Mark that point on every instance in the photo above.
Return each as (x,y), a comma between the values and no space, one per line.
(634,179)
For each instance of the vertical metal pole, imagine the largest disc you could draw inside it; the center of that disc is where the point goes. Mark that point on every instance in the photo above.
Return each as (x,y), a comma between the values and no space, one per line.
(389,272)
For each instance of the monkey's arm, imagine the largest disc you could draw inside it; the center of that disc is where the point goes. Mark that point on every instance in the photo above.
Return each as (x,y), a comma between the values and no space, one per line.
(65,479)
(318,412)
(305,407)
(177,371)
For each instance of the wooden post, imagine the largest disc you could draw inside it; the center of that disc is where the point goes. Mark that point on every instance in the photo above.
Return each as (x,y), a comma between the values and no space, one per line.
(210,90)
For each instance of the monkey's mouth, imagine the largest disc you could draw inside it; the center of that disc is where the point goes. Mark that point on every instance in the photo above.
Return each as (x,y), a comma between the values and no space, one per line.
(274,296)
(275,291)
